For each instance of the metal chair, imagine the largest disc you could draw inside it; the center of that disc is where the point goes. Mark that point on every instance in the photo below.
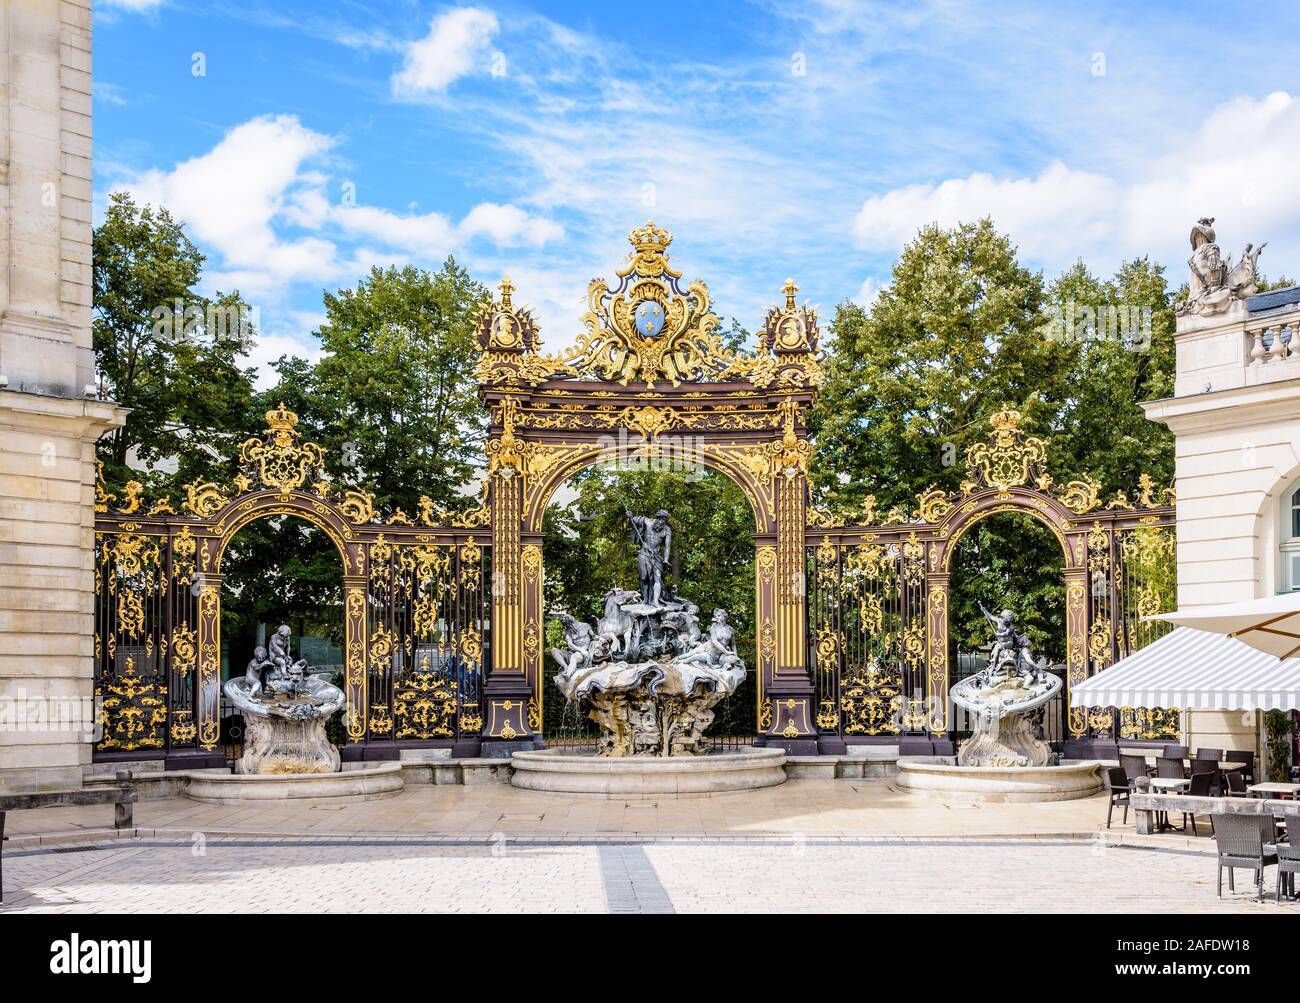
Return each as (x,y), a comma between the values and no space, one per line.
(1240,841)
(1117,786)
(1242,756)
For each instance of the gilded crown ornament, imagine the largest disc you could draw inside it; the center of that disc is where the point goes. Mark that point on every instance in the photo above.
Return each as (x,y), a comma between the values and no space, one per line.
(648,328)
(278,459)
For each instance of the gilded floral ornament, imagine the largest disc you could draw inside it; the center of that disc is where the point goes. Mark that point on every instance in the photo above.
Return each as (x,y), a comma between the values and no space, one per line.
(1081,496)
(280,460)
(359,507)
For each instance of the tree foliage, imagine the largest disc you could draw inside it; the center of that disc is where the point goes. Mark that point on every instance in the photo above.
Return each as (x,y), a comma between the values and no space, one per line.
(393,398)
(165,351)
(962,330)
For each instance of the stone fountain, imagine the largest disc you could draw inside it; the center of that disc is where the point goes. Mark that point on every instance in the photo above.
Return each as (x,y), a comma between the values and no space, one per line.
(285,709)
(1004,759)
(286,751)
(650,676)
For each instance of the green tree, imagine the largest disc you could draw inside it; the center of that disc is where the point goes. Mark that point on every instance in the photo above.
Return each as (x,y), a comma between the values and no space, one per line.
(1121,337)
(165,351)
(954,337)
(393,398)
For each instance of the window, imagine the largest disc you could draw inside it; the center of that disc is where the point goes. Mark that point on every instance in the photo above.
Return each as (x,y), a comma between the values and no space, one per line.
(1290,546)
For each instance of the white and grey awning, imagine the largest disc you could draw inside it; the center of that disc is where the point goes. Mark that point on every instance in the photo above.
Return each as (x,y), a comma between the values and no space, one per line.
(1191,669)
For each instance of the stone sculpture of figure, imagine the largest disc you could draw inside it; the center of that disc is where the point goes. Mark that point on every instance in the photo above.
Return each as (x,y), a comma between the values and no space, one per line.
(1212,282)
(277,649)
(719,647)
(256,666)
(580,638)
(655,538)
(1008,643)
(285,674)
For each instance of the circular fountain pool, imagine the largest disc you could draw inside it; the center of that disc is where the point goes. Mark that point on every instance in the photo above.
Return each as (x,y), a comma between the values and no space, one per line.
(566,771)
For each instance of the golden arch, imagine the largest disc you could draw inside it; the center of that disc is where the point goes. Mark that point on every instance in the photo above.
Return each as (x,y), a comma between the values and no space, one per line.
(243,511)
(587,455)
(1015,501)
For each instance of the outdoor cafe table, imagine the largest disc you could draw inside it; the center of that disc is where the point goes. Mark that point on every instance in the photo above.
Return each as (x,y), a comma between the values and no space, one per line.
(1164,784)
(1283,790)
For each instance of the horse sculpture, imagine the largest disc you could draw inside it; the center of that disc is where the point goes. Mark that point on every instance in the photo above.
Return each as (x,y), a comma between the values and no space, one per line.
(616,624)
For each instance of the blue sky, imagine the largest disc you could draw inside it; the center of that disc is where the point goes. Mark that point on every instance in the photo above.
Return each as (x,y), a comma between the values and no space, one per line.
(303,142)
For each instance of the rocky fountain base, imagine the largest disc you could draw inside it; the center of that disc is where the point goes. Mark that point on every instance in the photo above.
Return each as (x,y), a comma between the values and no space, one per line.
(650,678)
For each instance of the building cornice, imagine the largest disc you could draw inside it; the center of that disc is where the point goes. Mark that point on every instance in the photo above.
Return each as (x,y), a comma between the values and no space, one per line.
(1231,408)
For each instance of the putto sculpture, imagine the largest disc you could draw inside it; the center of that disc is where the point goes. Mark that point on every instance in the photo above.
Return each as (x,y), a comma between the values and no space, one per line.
(647,673)
(1004,697)
(1215,282)
(285,709)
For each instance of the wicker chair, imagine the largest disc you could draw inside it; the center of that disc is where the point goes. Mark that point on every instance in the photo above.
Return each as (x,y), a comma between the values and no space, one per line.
(1288,859)
(1198,788)
(1213,755)
(1171,768)
(1241,842)
(1236,784)
(1245,757)
(1176,751)
(1117,787)
(1135,768)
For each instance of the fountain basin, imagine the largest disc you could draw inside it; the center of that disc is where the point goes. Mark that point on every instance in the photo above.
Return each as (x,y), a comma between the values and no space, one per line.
(936,777)
(377,780)
(632,778)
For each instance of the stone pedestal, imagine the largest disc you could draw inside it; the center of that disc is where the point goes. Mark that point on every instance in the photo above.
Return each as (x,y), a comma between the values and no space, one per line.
(1006,741)
(279,745)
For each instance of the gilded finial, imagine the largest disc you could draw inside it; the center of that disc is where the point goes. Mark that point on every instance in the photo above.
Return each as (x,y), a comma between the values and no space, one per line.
(507,290)
(790,289)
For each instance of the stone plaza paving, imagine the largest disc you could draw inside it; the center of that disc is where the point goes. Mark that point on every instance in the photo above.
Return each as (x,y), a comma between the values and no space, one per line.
(807,846)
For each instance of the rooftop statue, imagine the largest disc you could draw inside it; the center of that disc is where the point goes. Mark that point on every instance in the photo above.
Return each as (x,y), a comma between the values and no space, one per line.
(1215,282)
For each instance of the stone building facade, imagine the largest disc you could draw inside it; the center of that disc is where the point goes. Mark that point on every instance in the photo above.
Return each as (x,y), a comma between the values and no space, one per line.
(50,415)
(1235,414)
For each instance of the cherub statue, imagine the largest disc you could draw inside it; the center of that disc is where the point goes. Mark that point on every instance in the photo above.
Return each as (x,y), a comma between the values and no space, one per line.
(256,666)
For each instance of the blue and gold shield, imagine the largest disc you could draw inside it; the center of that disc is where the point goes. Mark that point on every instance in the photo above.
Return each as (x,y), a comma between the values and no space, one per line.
(649,316)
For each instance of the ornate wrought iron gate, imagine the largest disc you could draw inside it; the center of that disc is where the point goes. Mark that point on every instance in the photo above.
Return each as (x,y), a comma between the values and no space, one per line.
(444,614)
(879,592)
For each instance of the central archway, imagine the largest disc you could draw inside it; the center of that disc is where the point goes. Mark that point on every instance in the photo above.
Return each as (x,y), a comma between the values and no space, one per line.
(670,385)
(587,551)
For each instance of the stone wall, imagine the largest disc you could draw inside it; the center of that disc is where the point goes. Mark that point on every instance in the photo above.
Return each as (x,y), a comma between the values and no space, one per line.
(1237,451)
(48,423)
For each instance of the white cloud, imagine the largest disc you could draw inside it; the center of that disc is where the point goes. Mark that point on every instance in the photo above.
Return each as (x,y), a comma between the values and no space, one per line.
(869,292)
(1060,207)
(258,202)
(136,6)
(1239,166)
(457,41)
